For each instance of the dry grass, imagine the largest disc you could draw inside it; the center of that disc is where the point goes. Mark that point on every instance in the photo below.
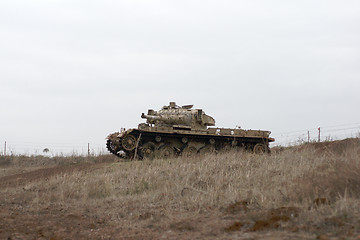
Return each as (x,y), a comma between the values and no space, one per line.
(15,164)
(302,192)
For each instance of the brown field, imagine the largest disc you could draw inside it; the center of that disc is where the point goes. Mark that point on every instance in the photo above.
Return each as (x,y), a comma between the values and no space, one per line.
(310,191)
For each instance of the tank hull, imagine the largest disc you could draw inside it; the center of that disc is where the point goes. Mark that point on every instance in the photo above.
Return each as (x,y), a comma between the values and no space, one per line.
(151,142)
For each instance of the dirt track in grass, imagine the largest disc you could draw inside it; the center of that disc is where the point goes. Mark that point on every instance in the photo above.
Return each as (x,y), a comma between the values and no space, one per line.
(43,174)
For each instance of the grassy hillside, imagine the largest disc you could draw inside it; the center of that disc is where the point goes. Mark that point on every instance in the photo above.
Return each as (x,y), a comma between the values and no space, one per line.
(305,192)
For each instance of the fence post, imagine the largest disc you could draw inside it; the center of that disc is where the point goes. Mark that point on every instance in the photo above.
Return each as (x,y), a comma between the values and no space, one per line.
(88,149)
(308,136)
(319,135)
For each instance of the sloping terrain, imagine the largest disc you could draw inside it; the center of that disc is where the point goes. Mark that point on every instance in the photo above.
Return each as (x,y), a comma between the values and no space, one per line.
(310,191)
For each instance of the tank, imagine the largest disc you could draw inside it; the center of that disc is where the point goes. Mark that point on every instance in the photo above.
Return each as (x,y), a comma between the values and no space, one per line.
(174,131)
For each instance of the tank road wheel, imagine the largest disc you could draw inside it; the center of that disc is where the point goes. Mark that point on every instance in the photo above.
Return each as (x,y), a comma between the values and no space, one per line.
(189,152)
(148,150)
(158,138)
(129,142)
(166,151)
(260,148)
(208,149)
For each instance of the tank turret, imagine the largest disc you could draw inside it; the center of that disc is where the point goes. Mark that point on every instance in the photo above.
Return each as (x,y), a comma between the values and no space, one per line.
(173,115)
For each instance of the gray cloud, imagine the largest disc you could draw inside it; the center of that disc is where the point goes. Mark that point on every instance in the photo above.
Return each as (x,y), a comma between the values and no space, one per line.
(73,71)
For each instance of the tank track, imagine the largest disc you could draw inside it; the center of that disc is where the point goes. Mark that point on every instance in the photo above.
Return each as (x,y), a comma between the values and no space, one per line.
(112,148)
(153,144)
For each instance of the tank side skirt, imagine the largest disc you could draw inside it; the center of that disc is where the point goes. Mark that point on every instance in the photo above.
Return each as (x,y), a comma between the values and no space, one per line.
(217,138)
(203,134)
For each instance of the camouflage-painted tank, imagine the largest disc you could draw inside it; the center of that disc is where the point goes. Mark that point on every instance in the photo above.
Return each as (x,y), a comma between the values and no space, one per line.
(175,130)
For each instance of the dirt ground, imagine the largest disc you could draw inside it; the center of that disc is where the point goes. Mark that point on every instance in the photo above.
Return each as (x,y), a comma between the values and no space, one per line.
(239,220)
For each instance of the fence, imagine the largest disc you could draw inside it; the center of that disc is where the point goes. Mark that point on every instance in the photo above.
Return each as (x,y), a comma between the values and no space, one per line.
(322,133)
(51,149)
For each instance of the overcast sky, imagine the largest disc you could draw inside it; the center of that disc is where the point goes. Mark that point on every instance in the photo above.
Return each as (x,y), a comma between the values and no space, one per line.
(72,72)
